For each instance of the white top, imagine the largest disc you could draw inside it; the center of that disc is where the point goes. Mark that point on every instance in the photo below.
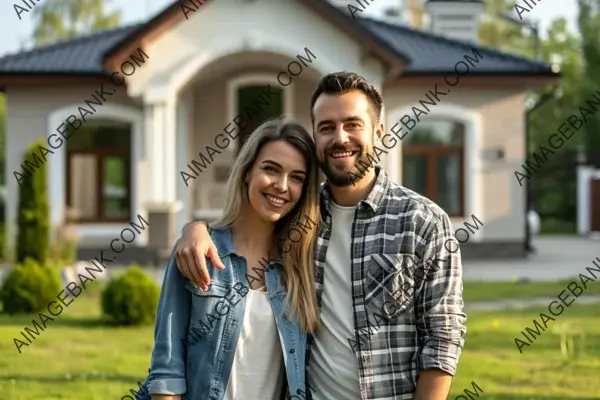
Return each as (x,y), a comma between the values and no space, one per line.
(257,372)
(333,369)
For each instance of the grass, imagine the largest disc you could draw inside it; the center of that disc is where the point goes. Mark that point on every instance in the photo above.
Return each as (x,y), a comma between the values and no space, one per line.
(490,291)
(78,358)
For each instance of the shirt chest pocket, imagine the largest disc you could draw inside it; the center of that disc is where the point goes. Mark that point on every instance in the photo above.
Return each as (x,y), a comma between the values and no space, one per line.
(390,284)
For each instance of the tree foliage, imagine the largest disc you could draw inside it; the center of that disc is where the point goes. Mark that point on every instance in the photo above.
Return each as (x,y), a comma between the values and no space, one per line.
(561,47)
(34,213)
(2,131)
(413,10)
(502,35)
(64,19)
(589,27)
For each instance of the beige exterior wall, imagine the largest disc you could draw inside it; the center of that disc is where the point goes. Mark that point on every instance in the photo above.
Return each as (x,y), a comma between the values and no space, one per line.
(500,112)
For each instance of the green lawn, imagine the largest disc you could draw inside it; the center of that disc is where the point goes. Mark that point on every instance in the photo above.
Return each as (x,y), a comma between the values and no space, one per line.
(76,358)
(489,291)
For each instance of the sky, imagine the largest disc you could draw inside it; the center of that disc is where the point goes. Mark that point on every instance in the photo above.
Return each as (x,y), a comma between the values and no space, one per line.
(14,32)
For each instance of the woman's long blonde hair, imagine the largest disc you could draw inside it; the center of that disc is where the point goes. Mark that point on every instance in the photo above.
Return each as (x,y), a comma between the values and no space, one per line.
(296,240)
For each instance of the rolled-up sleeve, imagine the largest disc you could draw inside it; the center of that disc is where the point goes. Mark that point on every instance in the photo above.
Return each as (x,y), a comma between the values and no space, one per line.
(167,370)
(440,316)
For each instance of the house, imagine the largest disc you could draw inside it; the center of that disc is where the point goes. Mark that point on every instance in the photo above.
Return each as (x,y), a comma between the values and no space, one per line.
(128,113)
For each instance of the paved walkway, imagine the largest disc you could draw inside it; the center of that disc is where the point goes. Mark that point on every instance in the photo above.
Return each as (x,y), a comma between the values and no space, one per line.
(556,258)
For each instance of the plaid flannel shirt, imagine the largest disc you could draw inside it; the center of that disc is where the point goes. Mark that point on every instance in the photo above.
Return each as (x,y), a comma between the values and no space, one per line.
(406,289)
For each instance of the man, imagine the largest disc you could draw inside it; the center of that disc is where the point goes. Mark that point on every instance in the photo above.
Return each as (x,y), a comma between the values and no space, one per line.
(389,286)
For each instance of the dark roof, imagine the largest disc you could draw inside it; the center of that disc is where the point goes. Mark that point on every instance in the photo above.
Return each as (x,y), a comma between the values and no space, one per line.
(427,53)
(435,54)
(82,55)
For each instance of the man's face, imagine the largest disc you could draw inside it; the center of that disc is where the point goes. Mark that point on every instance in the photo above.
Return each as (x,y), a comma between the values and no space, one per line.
(344,134)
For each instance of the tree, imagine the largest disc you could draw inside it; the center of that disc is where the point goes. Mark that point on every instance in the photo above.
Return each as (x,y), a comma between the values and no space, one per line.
(414,10)
(562,48)
(589,27)
(2,128)
(500,34)
(64,19)
(34,213)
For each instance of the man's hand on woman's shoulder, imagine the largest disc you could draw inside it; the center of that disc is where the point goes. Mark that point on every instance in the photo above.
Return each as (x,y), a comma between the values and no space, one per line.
(192,250)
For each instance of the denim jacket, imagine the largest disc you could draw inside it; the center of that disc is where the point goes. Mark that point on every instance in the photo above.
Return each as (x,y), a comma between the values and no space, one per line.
(196,332)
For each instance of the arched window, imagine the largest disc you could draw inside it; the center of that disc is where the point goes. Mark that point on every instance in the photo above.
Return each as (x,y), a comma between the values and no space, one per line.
(256,109)
(99,171)
(433,162)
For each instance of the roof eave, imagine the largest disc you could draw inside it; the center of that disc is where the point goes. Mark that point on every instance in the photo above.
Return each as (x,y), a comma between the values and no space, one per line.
(30,77)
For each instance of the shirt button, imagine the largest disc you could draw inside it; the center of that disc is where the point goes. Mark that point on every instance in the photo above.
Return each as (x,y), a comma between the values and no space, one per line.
(292,351)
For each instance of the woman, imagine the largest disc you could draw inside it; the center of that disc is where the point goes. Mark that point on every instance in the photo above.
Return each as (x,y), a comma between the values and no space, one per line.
(245,336)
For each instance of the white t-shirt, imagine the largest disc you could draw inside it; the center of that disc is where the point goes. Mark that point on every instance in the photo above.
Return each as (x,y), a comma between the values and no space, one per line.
(333,368)
(258,371)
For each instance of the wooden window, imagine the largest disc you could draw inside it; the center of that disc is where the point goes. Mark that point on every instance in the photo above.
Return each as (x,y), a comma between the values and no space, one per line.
(433,163)
(99,172)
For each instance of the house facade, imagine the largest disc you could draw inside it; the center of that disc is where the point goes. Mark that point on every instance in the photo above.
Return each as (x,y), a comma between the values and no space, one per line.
(150,117)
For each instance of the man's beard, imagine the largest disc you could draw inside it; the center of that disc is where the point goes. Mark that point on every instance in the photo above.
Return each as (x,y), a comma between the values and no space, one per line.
(343,178)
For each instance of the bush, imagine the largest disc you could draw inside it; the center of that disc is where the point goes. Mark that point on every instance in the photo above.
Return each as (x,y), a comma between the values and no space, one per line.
(130,299)
(29,288)
(34,214)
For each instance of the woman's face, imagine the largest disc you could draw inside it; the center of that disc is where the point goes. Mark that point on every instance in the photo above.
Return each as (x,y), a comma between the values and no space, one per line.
(276,179)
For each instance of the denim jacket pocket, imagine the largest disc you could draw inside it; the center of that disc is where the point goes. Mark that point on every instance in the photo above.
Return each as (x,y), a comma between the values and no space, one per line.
(390,284)
(214,289)
(207,308)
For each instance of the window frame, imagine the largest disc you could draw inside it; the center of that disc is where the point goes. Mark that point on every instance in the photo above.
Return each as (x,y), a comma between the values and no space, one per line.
(432,153)
(100,155)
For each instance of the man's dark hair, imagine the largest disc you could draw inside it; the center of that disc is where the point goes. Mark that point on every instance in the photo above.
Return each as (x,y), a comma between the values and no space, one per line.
(342,82)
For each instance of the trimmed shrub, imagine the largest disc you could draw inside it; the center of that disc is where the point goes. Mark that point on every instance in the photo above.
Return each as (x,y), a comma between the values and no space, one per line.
(29,288)
(130,299)
(34,214)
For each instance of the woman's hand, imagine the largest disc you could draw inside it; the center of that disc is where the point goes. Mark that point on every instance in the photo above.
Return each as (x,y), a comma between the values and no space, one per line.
(191,252)
(165,397)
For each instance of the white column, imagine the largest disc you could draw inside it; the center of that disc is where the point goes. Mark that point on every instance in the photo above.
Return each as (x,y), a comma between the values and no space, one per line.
(169,150)
(160,151)
(183,193)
